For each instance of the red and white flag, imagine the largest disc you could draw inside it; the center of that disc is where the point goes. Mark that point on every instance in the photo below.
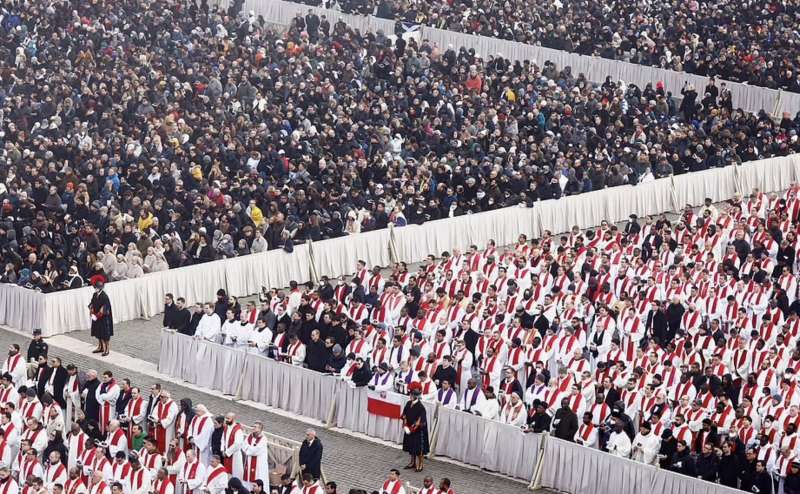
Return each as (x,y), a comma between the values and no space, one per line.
(385,404)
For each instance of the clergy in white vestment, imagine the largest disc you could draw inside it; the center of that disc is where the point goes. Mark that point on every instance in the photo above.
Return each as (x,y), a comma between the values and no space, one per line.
(6,451)
(141,479)
(471,396)
(230,330)
(232,442)
(393,484)
(193,474)
(72,395)
(7,484)
(260,338)
(56,472)
(200,430)
(513,411)
(76,444)
(646,445)
(163,483)
(462,359)
(15,365)
(489,408)
(446,395)
(209,327)
(619,444)
(75,484)
(587,434)
(99,485)
(116,439)
(256,458)
(174,461)
(163,417)
(216,480)
(382,379)
(107,395)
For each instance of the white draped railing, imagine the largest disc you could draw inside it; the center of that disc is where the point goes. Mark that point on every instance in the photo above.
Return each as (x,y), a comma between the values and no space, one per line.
(248,376)
(60,312)
(568,467)
(747,97)
(542,460)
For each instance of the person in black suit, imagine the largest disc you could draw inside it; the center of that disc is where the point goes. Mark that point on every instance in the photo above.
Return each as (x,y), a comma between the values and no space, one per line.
(311,455)
(362,374)
(194,320)
(565,422)
(52,380)
(286,486)
(183,318)
(169,311)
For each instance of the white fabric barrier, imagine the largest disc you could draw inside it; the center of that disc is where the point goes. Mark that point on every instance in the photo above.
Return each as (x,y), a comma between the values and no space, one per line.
(352,414)
(287,387)
(569,467)
(746,97)
(61,312)
(487,444)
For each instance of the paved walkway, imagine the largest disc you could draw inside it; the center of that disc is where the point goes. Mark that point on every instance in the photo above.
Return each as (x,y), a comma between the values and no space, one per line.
(349,460)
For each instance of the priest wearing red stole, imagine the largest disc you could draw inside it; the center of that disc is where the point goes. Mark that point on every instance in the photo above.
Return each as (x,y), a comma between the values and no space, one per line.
(192,475)
(163,484)
(232,442)
(256,458)
(393,484)
(107,394)
(163,418)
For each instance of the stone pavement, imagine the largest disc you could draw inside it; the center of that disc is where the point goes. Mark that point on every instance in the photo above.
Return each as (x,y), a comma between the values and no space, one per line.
(351,461)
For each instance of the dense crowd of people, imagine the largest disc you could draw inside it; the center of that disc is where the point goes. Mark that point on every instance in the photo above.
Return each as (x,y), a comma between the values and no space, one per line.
(143,136)
(669,342)
(68,431)
(750,42)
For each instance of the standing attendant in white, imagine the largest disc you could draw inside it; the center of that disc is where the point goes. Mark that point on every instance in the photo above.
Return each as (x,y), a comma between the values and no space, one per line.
(619,444)
(107,394)
(200,430)
(7,484)
(56,472)
(99,486)
(256,458)
(216,480)
(587,434)
(232,443)
(393,484)
(646,445)
(193,474)
(15,365)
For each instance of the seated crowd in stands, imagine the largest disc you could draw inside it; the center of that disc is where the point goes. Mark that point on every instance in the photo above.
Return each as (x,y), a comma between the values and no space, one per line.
(142,136)
(753,42)
(672,342)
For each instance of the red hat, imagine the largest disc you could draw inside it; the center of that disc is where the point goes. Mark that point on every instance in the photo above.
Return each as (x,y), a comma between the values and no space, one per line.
(414,386)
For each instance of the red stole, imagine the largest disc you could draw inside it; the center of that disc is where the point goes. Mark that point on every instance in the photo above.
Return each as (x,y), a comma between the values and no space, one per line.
(252,461)
(228,462)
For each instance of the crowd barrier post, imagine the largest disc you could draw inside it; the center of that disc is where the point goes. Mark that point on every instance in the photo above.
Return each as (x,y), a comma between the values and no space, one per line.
(536,478)
(434,430)
(393,245)
(331,418)
(776,108)
(312,262)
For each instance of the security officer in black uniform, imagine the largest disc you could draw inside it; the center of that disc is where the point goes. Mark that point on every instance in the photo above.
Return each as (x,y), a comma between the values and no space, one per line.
(37,349)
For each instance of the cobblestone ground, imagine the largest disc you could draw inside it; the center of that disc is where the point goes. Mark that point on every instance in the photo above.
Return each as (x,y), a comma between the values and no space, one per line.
(350,461)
